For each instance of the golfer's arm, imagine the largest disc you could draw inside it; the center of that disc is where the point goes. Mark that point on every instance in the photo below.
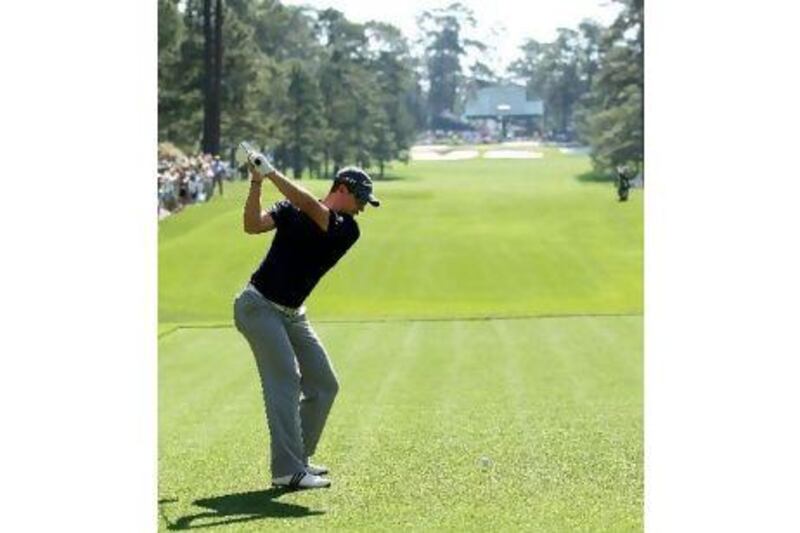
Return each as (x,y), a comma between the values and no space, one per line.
(256,220)
(301,198)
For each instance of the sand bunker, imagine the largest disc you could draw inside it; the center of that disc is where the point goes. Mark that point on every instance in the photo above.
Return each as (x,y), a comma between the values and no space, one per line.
(426,155)
(431,147)
(511,154)
(580,150)
(521,144)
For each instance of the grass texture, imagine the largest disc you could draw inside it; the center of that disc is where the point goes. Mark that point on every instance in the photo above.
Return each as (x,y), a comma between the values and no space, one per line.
(447,421)
(452,239)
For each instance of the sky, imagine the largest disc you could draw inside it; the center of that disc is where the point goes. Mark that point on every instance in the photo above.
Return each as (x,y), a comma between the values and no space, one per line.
(503,24)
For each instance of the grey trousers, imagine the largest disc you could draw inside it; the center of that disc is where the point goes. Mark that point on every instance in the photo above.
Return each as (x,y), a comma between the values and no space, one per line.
(297,380)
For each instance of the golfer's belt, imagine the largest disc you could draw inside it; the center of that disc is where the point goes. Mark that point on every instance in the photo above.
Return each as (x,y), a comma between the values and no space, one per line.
(289,311)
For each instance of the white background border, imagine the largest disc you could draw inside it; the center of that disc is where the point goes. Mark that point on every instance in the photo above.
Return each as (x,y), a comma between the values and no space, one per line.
(78,391)
(78,382)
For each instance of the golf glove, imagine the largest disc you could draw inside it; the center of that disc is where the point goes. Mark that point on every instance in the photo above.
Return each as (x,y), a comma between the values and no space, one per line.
(258,161)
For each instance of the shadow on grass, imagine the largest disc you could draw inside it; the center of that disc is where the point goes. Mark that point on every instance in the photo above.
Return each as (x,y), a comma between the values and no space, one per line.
(389,176)
(593,177)
(237,508)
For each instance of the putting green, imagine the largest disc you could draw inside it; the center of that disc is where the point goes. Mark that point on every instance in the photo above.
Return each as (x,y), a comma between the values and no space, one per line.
(454,425)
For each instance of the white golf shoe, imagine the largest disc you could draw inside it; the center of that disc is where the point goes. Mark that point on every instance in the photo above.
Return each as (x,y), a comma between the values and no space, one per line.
(317,470)
(301,480)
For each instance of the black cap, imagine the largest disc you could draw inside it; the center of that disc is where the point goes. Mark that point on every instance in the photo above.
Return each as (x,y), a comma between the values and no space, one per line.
(359,183)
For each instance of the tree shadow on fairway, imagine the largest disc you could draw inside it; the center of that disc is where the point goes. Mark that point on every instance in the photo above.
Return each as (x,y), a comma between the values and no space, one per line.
(388,176)
(240,507)
(593,177)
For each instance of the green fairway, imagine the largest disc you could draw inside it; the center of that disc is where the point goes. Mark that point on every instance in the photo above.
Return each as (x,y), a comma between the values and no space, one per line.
(452,239)
(446,420)
(555,405)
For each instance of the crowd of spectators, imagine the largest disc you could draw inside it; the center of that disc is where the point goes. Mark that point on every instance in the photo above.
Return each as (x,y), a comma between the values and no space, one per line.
(186,180)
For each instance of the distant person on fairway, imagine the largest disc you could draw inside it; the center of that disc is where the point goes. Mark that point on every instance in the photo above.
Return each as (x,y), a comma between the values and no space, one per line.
(217,175)
(311,236)
(623,183)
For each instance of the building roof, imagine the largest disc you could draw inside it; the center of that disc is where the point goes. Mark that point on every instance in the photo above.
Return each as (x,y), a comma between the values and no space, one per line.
(502,100)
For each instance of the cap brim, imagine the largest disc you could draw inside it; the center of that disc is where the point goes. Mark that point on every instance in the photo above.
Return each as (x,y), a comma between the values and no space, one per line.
(374,201)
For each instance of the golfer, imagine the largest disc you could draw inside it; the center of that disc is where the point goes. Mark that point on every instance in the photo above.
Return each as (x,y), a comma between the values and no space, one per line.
(297,379)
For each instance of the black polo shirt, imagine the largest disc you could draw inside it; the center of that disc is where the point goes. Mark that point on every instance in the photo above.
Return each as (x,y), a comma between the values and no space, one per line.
(301,253)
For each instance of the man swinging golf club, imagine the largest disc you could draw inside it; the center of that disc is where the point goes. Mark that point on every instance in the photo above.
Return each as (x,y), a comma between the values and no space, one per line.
(311,236)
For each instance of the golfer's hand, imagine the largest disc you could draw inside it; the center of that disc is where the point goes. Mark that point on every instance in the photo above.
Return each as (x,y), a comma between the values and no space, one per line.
(254,174)
(259,165)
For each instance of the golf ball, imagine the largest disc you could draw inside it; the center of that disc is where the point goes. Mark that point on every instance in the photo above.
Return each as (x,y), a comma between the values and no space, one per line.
(485,462)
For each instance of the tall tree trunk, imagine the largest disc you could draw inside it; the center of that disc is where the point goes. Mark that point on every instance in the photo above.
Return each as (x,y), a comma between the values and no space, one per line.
(212,62)
(207,75)
(297,164)
(216,118)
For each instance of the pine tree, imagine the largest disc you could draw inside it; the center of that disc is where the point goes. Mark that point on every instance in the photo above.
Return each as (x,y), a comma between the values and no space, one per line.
(302,120)
(615,128)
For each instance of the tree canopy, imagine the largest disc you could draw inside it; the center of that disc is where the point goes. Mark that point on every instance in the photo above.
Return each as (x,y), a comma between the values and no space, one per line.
(321,91)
